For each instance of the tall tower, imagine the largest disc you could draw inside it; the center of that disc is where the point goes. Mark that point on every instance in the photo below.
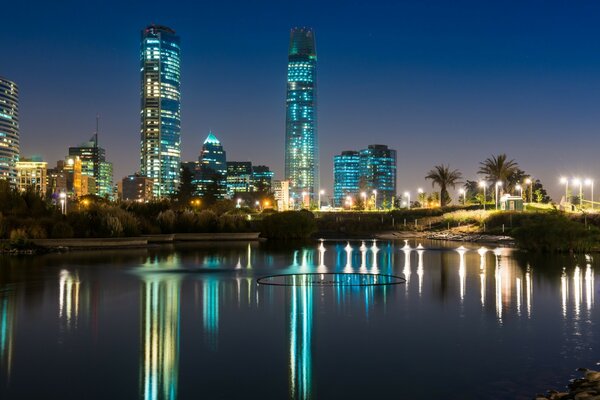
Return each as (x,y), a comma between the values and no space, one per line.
(301,141)
(161,109)
(9,130)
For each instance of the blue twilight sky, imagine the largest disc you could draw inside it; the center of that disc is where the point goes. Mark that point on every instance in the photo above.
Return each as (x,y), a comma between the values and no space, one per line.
(439,81)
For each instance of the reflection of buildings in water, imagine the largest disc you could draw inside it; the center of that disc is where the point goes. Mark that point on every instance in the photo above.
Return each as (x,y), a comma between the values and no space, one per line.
(68,298)
(300,338)
(210,312)
(8,322)
(159,369)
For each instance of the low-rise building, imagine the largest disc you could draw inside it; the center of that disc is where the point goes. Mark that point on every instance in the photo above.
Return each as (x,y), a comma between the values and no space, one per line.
(136,188)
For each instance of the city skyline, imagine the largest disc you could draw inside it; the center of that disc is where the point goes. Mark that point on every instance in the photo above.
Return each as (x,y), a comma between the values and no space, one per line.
(423,81)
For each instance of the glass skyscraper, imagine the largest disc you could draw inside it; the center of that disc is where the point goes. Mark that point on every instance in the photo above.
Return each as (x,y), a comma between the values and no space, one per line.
(373,168)
(346,176)
(212,173)
(160,109)
(9,130)
(94,164)
(301,142)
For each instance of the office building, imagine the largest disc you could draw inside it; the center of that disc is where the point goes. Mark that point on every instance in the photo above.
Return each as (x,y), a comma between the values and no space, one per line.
(136,188)
(94,164)
(31,175)
(160,109)
(9,130)
(346,176)
(212,172)
(281,192)
(301,140)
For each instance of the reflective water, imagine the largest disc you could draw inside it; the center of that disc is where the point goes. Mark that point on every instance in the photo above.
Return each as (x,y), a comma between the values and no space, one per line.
(191,322)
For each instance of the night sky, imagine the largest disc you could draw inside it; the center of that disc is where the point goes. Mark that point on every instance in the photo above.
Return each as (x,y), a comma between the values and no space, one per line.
(441,82)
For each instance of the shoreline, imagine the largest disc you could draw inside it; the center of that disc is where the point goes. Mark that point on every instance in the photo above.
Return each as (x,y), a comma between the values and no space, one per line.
(587,387)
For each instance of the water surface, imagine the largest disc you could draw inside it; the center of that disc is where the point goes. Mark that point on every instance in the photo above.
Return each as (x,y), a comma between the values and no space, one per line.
(191,322)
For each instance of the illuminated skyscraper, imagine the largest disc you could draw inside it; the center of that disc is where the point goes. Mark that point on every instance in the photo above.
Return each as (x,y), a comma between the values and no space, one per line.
(212,172)
(9,130)
(94,164)
(346,176)
(161,104)
(301,142)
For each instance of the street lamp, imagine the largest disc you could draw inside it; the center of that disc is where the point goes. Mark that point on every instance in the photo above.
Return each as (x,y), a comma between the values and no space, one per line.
(407,195)
(565,182)
(579,182)
(590,182)
(320,193)
(375,193)
(498,184)
(63,202)
(483,184)
(529,182)
(304,194)
(461,192)
(349,201)
(238,201)
(520,189)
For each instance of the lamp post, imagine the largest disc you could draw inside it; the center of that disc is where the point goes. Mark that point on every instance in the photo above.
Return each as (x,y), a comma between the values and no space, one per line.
(529,182)
(320,193)
(483,184)
(257,203)
(565,182)
(421,197)
(579,182)
(375,193)
(498,184)
(407,195)
(520,189)
(461,192)
(63,202)
(590,182)
(238,201)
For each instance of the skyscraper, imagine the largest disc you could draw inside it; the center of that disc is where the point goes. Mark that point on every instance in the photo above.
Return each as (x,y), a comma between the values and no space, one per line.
(9,130)
(301,142)
(94,164)
(346,176)
(213,169)
(160,108)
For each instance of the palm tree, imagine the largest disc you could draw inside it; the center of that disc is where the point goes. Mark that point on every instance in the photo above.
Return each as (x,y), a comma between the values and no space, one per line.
(442,176)
(499,169)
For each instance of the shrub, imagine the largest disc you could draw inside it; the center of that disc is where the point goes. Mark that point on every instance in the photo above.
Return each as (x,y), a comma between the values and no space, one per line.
(207,221)
(166,220)
(289,225)
(19,238)
(61,230)
(187,221)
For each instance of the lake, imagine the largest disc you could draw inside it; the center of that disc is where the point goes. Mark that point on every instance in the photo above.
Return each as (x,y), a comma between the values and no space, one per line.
(190,321)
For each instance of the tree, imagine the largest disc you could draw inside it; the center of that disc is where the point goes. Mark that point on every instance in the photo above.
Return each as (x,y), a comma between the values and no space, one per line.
(472,191)
(499,169)
(541,196)
(186,188)
(442,176)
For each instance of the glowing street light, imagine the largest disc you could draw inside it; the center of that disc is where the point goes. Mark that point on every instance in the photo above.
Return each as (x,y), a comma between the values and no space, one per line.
(461,192)
(520,189)
(498,184)
(375,193)
(579,182)
(320,193)
(348,201)
(565,182)
(407,195)
(238,201)
(63,202)
(483,184)
(590,182)
(304,194)
(529,182)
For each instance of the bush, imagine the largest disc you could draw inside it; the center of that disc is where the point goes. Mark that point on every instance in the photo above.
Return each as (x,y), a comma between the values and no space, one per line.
(61,230)
(555,233)
(19,239)
(166,220)
(289,225)
(207,221)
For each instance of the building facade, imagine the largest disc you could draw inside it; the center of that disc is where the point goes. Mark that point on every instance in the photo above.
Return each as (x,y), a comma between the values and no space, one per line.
(262,178)
(239,177)
(9,130)
(281,192)
(371,170)
(212,173)
(301,140)
(31,174)
(346,176)
(94,164)
(136,188)
(160,109)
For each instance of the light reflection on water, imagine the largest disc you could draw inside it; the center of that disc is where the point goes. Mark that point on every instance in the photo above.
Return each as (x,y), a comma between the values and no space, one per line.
(493,279)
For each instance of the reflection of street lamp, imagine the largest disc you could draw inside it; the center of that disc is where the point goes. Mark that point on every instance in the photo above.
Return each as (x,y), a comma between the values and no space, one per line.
(498,184)
(590,182)
(483,184)
(579,182)
(407,195)
(565,182)
(375,193)
(461,192)
(63,202)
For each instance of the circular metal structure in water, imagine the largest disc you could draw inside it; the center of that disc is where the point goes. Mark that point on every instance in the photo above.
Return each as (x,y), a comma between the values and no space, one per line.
(330,279)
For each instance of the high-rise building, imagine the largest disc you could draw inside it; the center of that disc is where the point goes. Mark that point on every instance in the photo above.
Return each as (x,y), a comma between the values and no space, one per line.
(301,142)
(212,176)
(94,164)
(368,170)
(378,170)
(281,192)
(346,176)
(9,130)
(239,177)
(31,174)
(262,178)
(160,109)
(136,188)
